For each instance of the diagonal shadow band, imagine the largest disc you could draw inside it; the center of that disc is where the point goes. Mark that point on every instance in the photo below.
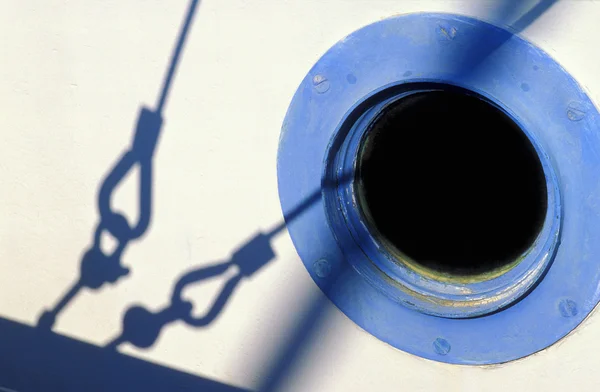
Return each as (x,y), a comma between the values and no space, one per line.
(476,60)
(100,268)
(281,366)
(35,360)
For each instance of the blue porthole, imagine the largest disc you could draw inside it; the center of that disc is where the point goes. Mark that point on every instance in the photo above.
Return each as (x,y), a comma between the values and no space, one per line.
(445,170)
(446,197)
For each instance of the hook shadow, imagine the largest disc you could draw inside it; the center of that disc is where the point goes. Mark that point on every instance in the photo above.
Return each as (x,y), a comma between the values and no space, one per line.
(98,268)
(142,327)
(36,359)
(30,360)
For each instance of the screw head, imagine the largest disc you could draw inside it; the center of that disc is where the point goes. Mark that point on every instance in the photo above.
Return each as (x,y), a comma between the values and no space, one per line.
(568,308)
(322,268)
(575,111)
(321,84)
(441,346)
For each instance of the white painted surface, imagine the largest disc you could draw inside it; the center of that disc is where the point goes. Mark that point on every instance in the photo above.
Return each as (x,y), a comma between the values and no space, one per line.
(73,76)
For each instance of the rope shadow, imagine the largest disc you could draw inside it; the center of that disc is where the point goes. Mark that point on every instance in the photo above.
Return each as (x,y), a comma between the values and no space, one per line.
(98,268)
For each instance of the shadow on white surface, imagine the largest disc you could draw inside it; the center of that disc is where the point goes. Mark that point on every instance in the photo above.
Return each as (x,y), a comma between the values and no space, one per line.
(35,358)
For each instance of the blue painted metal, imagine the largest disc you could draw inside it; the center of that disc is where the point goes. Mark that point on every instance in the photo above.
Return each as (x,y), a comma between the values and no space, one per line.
(318,140)
(448,297)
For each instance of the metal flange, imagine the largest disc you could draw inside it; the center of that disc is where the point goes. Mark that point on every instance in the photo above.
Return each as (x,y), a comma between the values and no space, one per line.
(544,294)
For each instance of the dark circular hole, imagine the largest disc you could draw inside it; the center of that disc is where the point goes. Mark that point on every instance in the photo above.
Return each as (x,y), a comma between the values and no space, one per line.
(452,182)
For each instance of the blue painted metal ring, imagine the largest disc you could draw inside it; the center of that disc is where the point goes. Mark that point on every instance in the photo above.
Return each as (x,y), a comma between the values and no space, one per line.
(482,321)
(435,294)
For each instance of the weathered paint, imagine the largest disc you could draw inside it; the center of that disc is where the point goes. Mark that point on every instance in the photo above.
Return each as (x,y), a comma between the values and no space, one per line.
(495,64)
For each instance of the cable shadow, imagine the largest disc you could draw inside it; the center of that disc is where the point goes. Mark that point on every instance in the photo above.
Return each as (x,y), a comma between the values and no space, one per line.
(282,365)
(141,327)
(31,354)
(35,359)
(475,61)
(98,268)
(33,351)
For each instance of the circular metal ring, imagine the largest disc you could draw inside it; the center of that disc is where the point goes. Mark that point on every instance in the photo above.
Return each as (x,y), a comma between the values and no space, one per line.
(500,318)
(427,291)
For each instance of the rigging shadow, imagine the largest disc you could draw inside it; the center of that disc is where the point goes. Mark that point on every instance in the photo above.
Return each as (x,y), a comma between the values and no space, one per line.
(98,268)
(37,358)
(142,327)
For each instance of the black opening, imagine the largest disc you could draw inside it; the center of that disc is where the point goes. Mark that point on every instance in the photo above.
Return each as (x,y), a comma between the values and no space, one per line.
(452,182)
